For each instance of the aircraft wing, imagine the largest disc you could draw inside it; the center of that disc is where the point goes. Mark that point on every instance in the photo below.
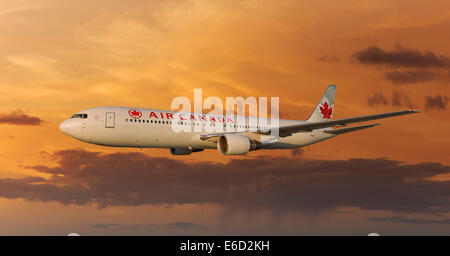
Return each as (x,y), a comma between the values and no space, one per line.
(285,131)
(288,130)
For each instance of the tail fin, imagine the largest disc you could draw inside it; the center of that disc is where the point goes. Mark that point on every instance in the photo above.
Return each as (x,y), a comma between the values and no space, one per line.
(325,108)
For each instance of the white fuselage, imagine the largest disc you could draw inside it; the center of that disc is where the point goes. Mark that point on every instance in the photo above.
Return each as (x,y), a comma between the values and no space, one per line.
(150,128)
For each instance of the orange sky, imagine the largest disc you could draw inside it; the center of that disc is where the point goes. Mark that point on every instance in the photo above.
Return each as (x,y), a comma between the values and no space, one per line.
(60,57)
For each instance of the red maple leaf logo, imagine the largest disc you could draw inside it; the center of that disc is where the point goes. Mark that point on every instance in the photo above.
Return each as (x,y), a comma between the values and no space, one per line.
(326,112)
(135,113)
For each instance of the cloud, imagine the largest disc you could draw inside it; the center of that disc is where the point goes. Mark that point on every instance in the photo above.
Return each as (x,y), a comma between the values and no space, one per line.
(185,225)
(401,100)
(414,65)
(297,152)
(398,99)
(105,225)
(437,102)
(181,225)
(115,226)
(277,183)
(402,219)
(410,76)
(377,99)
(18,117)
(401,57)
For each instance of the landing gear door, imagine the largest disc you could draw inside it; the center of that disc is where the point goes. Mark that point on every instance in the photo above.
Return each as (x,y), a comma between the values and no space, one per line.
(110,119)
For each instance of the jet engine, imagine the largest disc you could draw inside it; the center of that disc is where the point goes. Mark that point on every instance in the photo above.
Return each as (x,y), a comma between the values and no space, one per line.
(236,144)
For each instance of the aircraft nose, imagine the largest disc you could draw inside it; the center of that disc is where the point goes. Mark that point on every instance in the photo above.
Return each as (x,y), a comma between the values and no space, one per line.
(65,127)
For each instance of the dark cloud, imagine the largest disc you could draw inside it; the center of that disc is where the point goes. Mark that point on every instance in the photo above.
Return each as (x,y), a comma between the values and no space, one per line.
(377,99)
(18,117)
(410,76)
(438,102)
(398,99)
(297,152)
(277,183)
(416,63)
(401,100)
(401,57)
(401,219)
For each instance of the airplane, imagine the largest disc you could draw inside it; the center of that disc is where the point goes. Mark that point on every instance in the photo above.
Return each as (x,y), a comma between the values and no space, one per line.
(152,128)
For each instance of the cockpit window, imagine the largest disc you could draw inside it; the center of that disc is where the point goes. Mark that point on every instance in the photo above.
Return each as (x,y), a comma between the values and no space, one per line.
(81,116)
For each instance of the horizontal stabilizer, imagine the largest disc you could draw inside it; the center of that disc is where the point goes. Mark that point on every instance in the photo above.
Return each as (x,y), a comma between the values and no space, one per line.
(350,129)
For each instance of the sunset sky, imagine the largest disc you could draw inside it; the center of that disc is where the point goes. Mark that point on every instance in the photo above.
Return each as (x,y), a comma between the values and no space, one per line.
(58,57)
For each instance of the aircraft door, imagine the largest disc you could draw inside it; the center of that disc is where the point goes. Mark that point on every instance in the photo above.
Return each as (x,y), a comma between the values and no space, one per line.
(110,119)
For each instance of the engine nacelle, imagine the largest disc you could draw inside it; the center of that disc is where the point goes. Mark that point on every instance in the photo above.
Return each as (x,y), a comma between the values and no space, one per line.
(180,151)
(233,144)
